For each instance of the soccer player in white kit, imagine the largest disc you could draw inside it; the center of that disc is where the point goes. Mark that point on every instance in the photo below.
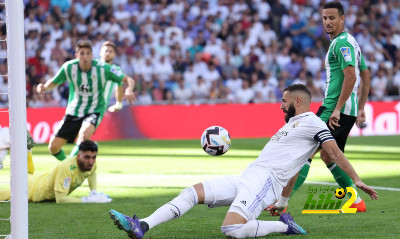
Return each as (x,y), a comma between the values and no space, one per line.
(268,179)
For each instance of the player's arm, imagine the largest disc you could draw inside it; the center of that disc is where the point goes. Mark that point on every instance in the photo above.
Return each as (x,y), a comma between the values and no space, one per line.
(364,90)
(41,88)
(119,96)
(334,152)
(347,88)
(92,180)
(59,78)
(129,95)
(277,208)
(62,197)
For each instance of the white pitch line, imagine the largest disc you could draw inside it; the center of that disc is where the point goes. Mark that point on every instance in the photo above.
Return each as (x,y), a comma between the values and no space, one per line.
(374,187)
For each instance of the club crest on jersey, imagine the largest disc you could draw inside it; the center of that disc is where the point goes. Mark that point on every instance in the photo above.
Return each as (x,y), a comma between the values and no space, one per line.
(295,124)
(346,53)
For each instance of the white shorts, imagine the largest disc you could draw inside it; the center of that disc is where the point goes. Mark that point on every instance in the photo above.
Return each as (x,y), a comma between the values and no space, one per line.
(248,194)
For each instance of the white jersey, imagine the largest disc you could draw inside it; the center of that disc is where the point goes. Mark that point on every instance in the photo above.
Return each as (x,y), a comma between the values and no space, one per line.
(289,149)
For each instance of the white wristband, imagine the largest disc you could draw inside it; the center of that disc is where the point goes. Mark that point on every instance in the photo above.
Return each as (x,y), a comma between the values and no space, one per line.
(118,105)
(282,202)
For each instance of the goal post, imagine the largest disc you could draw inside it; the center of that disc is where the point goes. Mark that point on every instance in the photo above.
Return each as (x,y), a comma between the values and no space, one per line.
(17,112)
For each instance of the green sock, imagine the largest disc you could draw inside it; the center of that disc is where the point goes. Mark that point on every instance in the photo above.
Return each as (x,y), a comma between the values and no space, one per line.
(60,155)
(302,176)
(342,178)
(74,151)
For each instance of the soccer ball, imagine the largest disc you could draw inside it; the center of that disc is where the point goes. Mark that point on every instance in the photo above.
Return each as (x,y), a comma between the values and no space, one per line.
(215,140)
(340,193)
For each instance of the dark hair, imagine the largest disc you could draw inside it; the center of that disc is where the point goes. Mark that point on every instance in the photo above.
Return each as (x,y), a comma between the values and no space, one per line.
(83,44)
(298,87)
(111,44)
(88,145)
(336,5)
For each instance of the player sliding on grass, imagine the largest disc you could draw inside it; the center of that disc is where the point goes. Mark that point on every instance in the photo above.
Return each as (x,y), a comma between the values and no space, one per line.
(65,178)
(86,104)
(260,185)
(344,65)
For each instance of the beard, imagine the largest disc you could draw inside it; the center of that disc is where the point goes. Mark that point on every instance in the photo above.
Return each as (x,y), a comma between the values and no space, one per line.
(291,111)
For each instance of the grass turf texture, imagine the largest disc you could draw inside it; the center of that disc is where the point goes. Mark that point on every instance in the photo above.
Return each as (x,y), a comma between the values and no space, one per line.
(141,175)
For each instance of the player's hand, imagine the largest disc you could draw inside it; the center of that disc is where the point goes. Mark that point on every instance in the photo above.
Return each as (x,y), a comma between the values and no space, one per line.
(130,96)
(367,189)
(360,118)
(40,88)
(277,208)
(116,107)
(334,119)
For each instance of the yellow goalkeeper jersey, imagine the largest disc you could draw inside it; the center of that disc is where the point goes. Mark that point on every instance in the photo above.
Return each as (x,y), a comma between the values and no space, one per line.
(64,178)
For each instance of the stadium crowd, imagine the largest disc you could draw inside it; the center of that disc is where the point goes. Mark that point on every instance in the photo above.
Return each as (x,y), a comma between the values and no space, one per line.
(200,51)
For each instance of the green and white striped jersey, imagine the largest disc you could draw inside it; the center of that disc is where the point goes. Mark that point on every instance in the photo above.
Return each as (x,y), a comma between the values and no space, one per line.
(110,86)
(86,89)
(343,51)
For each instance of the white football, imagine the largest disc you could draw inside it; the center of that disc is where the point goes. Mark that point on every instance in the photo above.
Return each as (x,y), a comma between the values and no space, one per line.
(215,140)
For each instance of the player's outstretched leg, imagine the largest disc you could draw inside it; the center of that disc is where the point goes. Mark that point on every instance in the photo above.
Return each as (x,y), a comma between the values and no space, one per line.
(129,224)
(293,227)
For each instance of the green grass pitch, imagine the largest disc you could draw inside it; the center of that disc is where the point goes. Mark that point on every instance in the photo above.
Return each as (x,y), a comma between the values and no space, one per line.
(141,175)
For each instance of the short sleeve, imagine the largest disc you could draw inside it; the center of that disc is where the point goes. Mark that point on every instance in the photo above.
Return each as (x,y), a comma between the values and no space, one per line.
(61,75)
(363,66)
(323,136)
(345,54)
(115,74)
(62,181)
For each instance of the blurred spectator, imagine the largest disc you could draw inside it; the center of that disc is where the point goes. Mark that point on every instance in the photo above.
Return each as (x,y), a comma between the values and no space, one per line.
(379,84)
(245,94)
(257,38)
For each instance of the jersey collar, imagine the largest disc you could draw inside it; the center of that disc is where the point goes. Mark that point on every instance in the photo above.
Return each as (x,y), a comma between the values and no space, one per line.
(299,116)
(338,35)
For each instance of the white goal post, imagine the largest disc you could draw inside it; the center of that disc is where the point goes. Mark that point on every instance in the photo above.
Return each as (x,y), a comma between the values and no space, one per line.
(17,112)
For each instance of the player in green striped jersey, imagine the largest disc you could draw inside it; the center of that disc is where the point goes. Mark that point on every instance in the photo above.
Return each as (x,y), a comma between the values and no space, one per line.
(341,107)
(107,54)
(86,104)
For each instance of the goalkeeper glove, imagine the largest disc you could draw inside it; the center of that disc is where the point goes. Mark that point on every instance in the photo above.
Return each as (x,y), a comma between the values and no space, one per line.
(98,198)
(94,193)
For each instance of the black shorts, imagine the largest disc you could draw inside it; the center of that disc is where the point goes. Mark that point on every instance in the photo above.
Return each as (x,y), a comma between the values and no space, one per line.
(70,125)
(341,133)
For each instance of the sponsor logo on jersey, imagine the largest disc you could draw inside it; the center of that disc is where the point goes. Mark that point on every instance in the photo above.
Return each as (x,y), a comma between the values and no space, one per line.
(278,135)
(115,71)
(346,53)
(84,90)
(67,182)
(243,202)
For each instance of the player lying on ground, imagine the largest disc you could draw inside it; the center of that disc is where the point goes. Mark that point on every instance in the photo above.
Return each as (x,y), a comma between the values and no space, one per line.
(65,178)
(262,182)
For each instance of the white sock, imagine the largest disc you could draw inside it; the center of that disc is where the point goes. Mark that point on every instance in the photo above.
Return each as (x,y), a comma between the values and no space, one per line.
(254,228)
(173,209)
(358,200)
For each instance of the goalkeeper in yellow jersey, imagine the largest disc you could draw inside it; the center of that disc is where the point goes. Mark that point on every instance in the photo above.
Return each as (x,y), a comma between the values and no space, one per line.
(65,178)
